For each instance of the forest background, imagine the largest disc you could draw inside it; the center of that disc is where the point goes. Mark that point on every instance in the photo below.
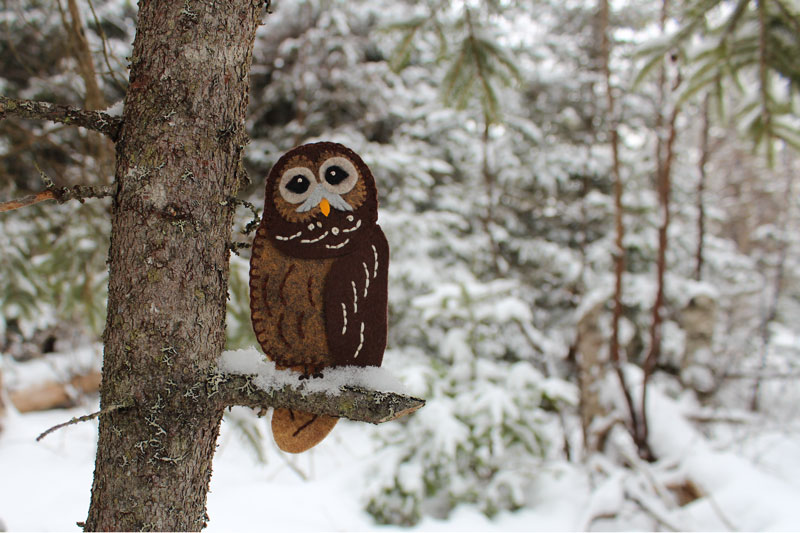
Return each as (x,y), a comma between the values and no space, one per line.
(518,147)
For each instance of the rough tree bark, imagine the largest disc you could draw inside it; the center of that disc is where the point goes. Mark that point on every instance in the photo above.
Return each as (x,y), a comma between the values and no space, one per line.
(178,157)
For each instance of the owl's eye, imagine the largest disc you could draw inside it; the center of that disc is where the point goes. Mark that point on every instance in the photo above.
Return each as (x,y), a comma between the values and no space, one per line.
(335,175)
(338,175)
(296,184)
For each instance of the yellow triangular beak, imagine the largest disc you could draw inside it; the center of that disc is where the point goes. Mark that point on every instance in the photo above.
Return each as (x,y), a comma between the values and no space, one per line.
(325,207)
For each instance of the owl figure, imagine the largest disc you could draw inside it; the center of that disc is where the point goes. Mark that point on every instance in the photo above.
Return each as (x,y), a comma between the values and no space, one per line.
(318,275)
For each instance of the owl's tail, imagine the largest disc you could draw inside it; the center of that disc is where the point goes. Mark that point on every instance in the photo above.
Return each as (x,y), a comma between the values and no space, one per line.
(297,431)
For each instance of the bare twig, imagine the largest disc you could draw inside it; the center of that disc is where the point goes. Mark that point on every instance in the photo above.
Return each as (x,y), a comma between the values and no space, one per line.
(253,209)
(82,54)
(92,120)
(27,200)
(702,165)
(654,513)
(61,195)
(104,39)
(84,418)
(353,403)
(721,515)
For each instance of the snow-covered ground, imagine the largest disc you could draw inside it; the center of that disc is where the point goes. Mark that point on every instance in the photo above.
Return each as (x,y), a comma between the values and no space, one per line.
(748,481)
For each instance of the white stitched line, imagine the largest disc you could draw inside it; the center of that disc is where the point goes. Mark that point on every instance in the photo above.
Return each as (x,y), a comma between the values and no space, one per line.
(358,225)
(360,342)
(289,238)
(309,241)
(375,253)
(355,297)
(366,271)
(334,246)
(344,317)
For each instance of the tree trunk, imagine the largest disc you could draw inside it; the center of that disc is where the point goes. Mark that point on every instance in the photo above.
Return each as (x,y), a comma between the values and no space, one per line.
(177,165)
(589,348)
(619,246)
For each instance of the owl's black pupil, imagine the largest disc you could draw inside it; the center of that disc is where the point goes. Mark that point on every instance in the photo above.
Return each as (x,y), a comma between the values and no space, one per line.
(335,175)
(298,184)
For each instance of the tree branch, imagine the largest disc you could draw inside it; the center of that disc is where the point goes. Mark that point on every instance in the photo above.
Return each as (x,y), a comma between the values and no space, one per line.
(27,200)
(354,403)
(92,120)
(84,418)
(61,195)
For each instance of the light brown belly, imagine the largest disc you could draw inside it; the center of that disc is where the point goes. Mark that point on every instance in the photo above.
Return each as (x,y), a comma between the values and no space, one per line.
(286,304)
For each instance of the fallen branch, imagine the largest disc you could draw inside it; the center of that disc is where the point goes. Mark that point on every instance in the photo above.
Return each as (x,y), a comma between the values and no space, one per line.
(53,394)
(354,403)
(91,120)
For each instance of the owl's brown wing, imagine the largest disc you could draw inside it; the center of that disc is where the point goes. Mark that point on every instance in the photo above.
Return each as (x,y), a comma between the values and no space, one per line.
(355,303)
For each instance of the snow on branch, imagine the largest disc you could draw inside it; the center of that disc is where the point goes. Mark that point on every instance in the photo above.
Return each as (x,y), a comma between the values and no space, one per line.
(362,394)
(92,120)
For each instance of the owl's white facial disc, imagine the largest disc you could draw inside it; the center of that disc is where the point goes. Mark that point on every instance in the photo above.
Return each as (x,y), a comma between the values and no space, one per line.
(338,175)
(297,185)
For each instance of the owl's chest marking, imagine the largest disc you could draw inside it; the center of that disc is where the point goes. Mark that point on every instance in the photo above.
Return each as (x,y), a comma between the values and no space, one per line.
(309,235)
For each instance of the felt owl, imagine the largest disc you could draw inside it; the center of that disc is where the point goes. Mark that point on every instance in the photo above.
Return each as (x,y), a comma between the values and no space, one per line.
(318,275)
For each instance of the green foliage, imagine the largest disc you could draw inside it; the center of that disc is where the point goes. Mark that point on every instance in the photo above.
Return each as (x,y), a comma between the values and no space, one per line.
(54,270)
(479,65)
(733,47)
(239,328)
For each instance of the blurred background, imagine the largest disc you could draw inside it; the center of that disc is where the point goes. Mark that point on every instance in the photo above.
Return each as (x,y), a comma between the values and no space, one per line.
(518,147)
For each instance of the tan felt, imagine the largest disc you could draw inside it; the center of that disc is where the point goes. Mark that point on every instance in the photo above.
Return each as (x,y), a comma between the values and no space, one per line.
(297,431)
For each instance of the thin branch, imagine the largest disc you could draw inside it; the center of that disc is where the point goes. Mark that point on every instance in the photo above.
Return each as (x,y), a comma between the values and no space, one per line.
(91,120)
(353,403)
(84,418)
(82,53)
(61,195)
(763,79)
(701,187)
(120,84)
(665,156)
(619,247)
(253,209)
(27,200)
(653,512)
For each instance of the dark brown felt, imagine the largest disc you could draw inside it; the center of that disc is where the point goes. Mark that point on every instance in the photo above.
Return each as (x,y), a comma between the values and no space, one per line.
(307,271)
(364,198)
(356,289)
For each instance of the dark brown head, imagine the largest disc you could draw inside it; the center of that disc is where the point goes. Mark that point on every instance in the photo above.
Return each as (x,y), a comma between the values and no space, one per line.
(319,198)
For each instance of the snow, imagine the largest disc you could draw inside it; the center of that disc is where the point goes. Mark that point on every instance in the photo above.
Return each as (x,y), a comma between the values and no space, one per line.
(754,484)
(735,489)
(267,377)
(51,367)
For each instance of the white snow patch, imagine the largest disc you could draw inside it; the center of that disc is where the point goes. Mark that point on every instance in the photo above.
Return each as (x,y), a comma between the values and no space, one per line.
(250,361)
(58,367)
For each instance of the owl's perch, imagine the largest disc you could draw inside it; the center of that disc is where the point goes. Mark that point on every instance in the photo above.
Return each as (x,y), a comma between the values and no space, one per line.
(354,403)
(91,120)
